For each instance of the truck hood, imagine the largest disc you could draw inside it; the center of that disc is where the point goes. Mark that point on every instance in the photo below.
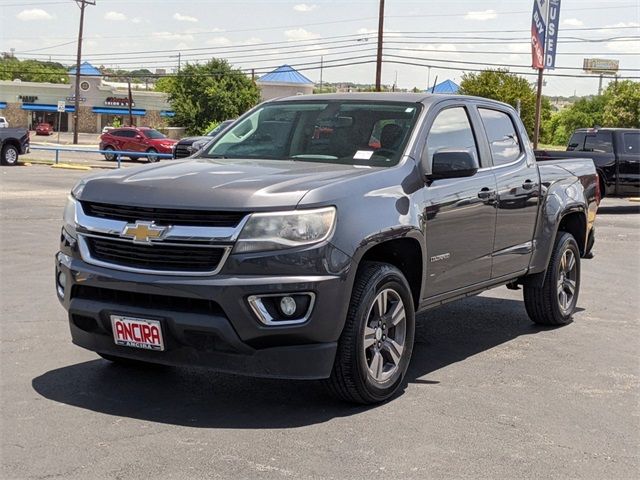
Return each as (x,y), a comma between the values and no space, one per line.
(217,184)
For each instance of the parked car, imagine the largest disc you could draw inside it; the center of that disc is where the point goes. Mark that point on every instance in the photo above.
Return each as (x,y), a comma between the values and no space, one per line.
(135,139)
(44,129)
(4,123)
(304,256)
(615,153)
(187,146)
(13,143)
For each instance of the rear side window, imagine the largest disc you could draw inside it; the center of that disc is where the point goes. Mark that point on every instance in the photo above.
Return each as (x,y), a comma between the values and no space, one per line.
(451,130)
(599,142)
(127,133)
(576,142)
(632,143)
(502,136)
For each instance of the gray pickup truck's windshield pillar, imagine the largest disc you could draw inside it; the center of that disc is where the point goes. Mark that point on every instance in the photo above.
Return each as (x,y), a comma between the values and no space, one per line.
(348,132)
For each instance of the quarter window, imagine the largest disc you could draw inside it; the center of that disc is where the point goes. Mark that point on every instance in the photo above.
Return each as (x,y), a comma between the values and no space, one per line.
(502,136)
(600,142)
(451,130)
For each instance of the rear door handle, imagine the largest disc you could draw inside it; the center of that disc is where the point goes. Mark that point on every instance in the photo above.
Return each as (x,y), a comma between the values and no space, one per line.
(528,185)
(486,194)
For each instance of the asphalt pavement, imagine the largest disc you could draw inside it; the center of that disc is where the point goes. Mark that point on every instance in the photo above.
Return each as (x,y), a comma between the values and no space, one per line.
(488,394)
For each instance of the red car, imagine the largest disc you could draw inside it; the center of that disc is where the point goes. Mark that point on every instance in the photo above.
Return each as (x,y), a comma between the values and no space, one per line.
(44,129)
(135,139)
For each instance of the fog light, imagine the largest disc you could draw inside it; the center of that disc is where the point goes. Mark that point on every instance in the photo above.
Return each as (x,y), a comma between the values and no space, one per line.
(62,283)
(288,306)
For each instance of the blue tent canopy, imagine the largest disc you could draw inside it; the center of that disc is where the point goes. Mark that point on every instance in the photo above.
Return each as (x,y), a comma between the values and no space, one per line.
(285,74)
(87,70)
(3,105)
(36,107)
(445,87)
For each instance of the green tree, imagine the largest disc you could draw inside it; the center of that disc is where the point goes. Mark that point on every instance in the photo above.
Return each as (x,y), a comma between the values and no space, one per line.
(622,108)
(586,112)
(508,88)
(214,91)
(12,68)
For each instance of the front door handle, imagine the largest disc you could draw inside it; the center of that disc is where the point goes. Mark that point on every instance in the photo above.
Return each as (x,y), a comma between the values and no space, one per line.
(486,194)
(528,185)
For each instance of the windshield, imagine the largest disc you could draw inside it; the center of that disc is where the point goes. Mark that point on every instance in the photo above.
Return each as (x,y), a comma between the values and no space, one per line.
(339,131)
(153,134)
(219,128)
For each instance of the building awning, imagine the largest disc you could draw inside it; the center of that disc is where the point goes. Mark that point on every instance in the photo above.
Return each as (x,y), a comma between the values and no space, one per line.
(36,107)
(3,105)
(167,113)
(119,111)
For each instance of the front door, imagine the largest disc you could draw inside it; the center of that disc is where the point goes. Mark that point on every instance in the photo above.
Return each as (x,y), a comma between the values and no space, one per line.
(459,213)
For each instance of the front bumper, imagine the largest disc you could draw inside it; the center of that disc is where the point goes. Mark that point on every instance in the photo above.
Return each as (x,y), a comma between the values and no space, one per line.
(207,321)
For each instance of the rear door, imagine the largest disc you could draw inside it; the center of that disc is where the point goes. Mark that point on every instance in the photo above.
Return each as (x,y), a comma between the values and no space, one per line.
(518,186)
(628,148)
(459,213)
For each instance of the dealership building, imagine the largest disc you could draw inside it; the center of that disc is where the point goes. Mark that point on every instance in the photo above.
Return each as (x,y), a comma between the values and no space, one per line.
(25,104)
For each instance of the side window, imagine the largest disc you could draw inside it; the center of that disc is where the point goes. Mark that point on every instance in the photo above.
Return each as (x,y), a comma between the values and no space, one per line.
(451,130)
(576,142)
(632,143)
(502,136)
(600,142)
(128,133)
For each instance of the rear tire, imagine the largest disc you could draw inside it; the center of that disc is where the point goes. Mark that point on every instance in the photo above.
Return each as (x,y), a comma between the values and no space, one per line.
(375,347)
(554,303)
(9,156)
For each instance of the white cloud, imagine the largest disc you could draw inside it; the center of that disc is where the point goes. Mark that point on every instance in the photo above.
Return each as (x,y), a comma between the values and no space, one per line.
(364,31)
(115,16)
(481,16)
(303,7)
(519,47)
(175,37)
(299,34)
(573,22)
(184,18)
(624,47)
(219,41)
(34,14)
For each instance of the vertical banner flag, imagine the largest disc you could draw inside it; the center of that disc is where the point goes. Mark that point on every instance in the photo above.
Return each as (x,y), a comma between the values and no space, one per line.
(544,33)
(551,42)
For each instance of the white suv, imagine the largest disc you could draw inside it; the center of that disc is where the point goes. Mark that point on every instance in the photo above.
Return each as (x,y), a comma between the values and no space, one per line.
(4,123)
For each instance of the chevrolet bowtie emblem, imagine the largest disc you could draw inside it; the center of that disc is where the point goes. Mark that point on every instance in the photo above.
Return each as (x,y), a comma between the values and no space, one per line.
(143,232)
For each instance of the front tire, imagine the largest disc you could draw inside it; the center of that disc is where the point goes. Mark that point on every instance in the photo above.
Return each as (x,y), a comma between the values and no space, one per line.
(553,304)
(109,157)
(9,155)
(375,347)
(152,155)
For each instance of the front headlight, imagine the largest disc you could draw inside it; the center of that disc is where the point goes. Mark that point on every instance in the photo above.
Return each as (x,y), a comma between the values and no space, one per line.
(69,217)
(274,231)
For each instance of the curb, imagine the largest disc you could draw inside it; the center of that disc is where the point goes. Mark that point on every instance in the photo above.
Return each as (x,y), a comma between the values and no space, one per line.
(53,164)
(68,166)
(634,199)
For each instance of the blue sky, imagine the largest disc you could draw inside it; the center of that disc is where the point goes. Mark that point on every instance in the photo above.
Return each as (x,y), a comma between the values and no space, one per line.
(261,34)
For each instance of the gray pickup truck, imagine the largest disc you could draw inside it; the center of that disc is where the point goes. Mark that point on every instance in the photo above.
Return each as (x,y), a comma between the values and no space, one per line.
(301,243)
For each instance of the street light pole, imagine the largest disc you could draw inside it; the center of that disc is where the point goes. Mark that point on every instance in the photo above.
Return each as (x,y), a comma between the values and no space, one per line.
(379,56)
(82,4)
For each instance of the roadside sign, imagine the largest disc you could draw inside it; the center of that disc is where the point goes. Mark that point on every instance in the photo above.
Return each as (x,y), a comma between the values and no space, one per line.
(600,65)
(61,106)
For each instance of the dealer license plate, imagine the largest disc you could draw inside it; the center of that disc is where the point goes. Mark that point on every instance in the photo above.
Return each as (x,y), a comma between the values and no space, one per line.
(137,332)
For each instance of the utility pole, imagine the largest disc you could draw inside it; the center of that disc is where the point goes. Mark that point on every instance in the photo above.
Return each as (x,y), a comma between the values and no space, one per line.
(379,56)
(536,128)
(82,4)
(179,58)
(130,102)
(321,67)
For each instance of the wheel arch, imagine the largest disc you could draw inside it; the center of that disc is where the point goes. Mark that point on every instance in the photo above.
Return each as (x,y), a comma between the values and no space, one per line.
(404,253)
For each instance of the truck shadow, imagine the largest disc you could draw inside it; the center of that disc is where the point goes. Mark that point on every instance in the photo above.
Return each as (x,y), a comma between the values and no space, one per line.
(203,399)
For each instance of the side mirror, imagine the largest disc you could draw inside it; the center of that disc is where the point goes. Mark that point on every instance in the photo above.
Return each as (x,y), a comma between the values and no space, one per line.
(453,164)
(138,136)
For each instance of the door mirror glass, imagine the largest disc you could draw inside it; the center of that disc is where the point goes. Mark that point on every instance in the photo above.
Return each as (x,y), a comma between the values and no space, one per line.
(138,136)
(453,164)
